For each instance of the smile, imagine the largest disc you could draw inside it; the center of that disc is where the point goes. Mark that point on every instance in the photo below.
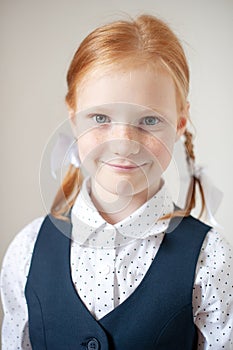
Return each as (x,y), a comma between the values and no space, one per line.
(124,167)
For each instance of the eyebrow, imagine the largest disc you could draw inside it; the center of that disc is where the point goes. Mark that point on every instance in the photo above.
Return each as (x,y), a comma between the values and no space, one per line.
(99,109)
(105,109)
(109,109)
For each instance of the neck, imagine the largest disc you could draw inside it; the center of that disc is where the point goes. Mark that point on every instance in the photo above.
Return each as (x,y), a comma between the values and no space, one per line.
(114,207)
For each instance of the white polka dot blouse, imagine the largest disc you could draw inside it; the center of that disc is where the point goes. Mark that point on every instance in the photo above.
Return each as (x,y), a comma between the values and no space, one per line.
(108,262)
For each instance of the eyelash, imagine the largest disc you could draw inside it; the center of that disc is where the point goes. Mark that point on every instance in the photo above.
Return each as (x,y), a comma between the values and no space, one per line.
(142,121)
(94,116)
(157,120)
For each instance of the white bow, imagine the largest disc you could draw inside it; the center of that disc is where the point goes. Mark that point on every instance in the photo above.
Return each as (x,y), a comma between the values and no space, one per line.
(64,152)
(213,195)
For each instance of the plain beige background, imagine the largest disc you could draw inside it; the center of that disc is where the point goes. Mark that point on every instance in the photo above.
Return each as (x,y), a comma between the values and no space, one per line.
(38,40)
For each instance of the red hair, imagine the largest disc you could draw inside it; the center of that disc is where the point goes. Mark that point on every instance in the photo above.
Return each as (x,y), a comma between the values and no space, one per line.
(145,40)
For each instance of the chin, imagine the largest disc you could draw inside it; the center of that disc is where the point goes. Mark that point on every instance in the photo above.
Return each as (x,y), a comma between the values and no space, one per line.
(122,186)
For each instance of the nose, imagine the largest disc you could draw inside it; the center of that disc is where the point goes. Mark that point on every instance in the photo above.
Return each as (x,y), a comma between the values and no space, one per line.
(124,140)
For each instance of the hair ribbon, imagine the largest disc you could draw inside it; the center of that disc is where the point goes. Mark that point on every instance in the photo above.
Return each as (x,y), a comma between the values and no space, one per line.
(213,195)
(64,152)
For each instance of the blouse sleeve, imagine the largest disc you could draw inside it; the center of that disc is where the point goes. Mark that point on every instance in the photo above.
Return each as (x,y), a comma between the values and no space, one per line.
(14,273)
(213,294)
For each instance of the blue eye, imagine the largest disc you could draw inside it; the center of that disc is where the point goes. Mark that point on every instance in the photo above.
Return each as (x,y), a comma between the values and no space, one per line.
(150,120)
(101,118)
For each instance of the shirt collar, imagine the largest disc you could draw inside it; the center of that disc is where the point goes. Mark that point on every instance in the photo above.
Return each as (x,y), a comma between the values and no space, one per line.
(90,226)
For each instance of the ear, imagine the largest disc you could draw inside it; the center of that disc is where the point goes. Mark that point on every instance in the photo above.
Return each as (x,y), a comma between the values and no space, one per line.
(182,122)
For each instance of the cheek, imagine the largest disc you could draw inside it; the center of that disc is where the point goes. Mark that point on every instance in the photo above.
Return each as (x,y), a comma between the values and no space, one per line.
(161,148)
(88,144)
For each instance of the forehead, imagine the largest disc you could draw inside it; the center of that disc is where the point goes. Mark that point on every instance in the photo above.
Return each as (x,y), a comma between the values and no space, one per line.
(142,86)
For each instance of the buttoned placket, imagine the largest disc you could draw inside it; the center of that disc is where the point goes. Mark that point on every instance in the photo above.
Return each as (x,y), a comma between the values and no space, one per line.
(104,281)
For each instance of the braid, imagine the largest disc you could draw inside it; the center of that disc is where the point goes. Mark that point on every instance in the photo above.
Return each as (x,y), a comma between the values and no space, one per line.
(195,181)
(67,193)
(189,146)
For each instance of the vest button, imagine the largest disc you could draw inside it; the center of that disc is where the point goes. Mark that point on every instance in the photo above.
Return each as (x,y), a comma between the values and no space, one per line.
(93,344)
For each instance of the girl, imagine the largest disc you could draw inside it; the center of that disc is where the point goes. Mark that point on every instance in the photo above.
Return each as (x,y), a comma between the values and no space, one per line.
(116,265)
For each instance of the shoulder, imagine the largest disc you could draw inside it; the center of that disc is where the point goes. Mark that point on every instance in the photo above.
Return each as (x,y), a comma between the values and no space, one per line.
(216,249)
(215,246)
(196,223)
(21,247)
(27,235)
(215,263)
(189,227)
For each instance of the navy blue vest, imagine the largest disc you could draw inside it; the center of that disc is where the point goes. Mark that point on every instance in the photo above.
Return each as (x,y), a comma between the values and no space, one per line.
(157,315)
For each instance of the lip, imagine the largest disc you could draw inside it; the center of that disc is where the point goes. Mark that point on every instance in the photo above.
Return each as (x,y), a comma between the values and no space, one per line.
(124,167)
